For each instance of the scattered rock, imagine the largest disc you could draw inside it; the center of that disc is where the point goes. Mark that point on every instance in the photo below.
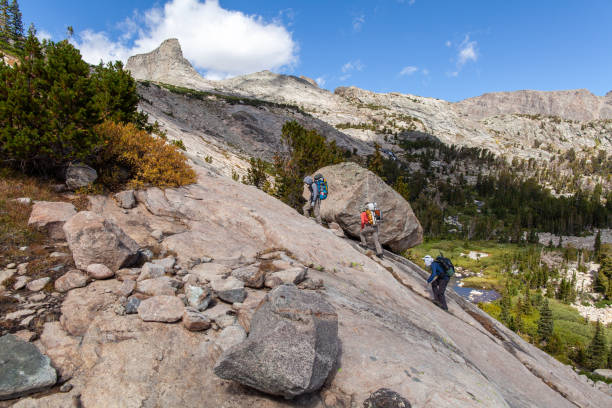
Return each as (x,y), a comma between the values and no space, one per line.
(22,268)
(131,307)
(37,298)
(251,275)
(150,270)
(20,282)
(146,254)
(273,281)
(51,216)
(167,263)
(24,369)
(128,274)
(19,314)
(197,297)
(157,286)
(11,266)
(294,275)
(311,284)
(70,280)
(126,199)
(38,284)
(230,290)
(221,314)
(127,287)
(385,398)
(166,309)
(6,274)
(25,335)
(229,337)
(79,175)
(24,200)
(99,271)
(288,320)
(207,272)
(67,387)
(94,239)
(194,320)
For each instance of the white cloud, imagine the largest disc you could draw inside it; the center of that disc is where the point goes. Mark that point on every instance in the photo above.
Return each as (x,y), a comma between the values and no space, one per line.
(467,51)
(358,22)
(409,70)
(425,71)
(221,42)
(352,66)
(320,81)
(448,43)
(43,35)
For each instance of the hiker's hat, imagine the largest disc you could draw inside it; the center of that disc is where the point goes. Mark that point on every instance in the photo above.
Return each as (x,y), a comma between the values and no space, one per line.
(428,260)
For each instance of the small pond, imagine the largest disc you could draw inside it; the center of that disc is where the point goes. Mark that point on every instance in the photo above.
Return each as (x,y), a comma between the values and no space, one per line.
(472,294)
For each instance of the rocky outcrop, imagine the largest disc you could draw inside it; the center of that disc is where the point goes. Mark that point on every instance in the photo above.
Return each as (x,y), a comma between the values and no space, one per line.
(291,348)
(96,240)
(51,216)
(80,175)
(23,369)
(350,187)
(576,104)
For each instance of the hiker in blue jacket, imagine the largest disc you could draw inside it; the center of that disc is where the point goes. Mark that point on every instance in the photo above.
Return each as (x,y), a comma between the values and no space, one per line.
(438,279)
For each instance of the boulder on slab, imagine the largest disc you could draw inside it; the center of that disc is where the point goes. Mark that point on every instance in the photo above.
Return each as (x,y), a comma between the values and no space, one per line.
(131,307)
(292,275)
(80,175)
(38,284)
(51,216)
(99,271)
(193,320)
(222,314)
(385,398)
(350,187)
(198,297)
(94,239)
(167,263)
(167,309)
(70,280)
(291,348)
(126,199)
(230,290)
(24,369)
(150,270)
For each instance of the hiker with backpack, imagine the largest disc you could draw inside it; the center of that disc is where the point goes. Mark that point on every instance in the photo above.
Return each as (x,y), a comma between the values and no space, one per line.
(441,271)
(370,218)
(318,191)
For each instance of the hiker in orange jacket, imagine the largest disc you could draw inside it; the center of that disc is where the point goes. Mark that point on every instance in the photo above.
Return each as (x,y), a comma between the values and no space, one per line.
(369,227)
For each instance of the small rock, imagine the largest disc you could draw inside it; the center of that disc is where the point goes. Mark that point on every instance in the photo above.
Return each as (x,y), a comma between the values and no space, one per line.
(291,276)
(23,248)
(273,281)
(385,398)
(38,284)
(19,314)
(157,286)
(11,266)
(26,322)
(230,290)
(194,320)
(79,175)
(99,271)
(71,280)
(221,315)
(58,255)
(146,254)
(24,369)
(167,263)
(20,282)
(6,274)
(157,234)
(127,287)
(311,284)
(127,274)
(24,200)
(22,268)
(207,272)
(166,309)
(119,309)
(25,335)
(150,270)
(37,298)
(197,297)
(126,199)
(230,336)
(270,255)
(251,275)
(131,307)
(66,387)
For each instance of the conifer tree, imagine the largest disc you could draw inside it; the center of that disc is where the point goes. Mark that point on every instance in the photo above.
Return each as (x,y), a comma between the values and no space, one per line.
(545,323)
(596,351)
(16,24)
(504,317)
(5,21)
(375,164)
(597,245)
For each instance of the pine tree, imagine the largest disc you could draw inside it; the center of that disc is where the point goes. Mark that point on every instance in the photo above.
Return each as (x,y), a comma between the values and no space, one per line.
(545,323)
(375,164)
(596,352)
(505,304)
(597,245)
(16,24)
(5,21)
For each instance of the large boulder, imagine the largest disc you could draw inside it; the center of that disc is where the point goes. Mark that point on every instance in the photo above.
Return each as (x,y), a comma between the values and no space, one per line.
(96,240)
(23,369)
(80,175)
(292,346)
(350,187)
(51,216)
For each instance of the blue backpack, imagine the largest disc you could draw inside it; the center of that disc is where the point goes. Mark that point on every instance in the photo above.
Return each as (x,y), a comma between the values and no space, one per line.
(322,185)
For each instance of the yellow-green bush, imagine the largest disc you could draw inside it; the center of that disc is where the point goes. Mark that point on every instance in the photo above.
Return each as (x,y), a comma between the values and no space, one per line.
(147,160)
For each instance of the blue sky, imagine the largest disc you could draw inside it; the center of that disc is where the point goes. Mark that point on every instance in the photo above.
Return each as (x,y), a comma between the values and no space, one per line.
(444,49)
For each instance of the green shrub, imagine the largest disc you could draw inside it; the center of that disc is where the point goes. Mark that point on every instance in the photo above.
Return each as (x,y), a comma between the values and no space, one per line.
(179,144)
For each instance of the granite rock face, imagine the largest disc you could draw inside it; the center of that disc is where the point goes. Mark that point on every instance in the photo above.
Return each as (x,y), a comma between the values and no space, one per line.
(291,348)
(350,188)
(23,369)
(51,216)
